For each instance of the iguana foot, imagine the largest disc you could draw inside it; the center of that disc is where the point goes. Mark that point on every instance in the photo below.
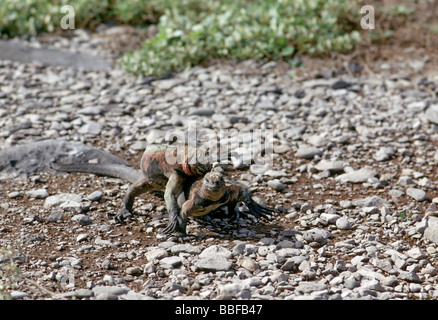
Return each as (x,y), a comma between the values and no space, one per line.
(175,232)
(122,215)
(171,226)
(175,225)
(233,213)
(180,235)
(255,209)
(258,210)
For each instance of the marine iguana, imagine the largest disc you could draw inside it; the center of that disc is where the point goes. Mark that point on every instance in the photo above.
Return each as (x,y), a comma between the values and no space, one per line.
(211,192)
(185,173)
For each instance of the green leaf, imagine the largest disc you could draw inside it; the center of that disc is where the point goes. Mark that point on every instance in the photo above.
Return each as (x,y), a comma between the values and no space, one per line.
(288,51)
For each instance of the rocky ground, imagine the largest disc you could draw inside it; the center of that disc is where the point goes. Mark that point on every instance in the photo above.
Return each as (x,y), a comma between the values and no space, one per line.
(354,181)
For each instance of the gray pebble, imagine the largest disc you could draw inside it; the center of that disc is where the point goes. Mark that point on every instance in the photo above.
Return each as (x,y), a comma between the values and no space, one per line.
(409,276)
(134,271)
(186,248)
(158,253)
(109,290)
(343,223)
(309,287)
(384,153)
(316,235)
(329,217)
(171,262)
(38,193)
(416,253)
(351,283)
(307,152)
(331,166)
(82,219)
(57,200)
(249,264)
(106,296)
(432,113)
(14,195)
(373,201)
(91,128)
(218,263)
(95,196)
(79,294)
(18,295)
(276,185)
(357,176)
(82,237)
(55,216)
(416,193)
(214,251)
(431,233)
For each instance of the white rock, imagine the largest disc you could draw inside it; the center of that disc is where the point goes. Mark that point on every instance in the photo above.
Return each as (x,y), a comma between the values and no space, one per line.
(330,217)
(372,284)
(171,262)
(416,193)
(432,113)
(91,128)
(17,295)
(276,184)
(82,219)
(416,253)
(343,223)
(431,233)
(37,193)
(214,251)
(158,253)
(249,264)
(57,200)
(307,152)
(332,166)
(357,176)
(211,263)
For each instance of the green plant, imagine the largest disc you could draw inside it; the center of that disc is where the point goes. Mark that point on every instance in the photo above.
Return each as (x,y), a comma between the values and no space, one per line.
(193,31)
(25,17)
(9,273)
(399,10)
(243,29)
(404,215)
(30,17)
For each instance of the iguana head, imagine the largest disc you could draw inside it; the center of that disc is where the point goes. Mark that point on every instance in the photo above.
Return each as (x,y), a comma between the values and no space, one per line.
(213,180)
(213,186)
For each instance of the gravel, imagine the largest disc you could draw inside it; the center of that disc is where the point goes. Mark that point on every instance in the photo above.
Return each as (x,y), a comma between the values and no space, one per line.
(353,181)
(416,193)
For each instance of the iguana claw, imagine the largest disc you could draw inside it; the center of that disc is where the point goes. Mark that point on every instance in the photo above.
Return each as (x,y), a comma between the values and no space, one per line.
(122,215)
(176,224)
(171,226)
(255,209)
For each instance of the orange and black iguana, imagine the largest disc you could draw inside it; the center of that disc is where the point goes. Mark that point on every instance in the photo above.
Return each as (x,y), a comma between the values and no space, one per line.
(209,193)
(188,172)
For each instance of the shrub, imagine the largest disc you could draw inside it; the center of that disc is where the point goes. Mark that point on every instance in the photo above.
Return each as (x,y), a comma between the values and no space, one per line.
(9,273)
(243,29)
(193,31)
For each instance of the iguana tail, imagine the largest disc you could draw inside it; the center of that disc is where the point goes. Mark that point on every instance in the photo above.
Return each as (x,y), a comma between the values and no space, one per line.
(109,170)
